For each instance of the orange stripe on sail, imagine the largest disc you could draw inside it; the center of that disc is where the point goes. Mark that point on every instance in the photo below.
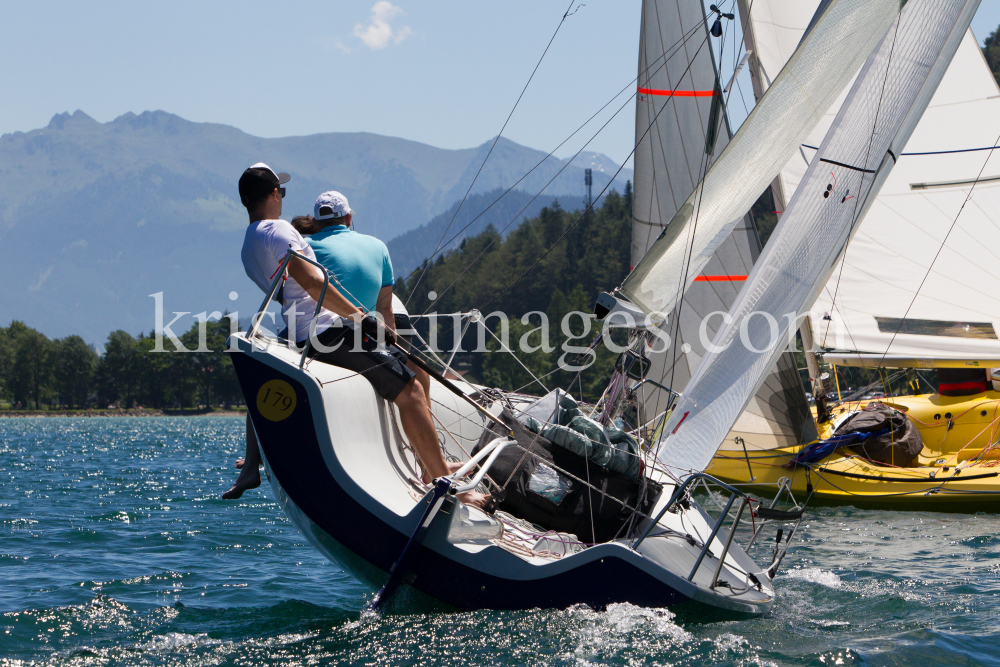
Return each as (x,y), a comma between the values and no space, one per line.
(676,93)
(713,279)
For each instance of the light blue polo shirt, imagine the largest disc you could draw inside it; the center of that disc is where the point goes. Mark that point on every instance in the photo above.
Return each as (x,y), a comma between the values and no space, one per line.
(360,263)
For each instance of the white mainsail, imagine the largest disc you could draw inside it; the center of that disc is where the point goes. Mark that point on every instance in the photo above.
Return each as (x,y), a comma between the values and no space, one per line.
(818,71)
(883,107)
(956,313)
(675,122)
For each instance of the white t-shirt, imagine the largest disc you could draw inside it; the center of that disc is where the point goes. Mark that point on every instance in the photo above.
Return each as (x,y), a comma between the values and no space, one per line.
(264,248)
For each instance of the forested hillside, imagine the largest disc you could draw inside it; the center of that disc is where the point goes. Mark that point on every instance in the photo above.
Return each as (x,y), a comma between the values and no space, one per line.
(556,263)
(37,372)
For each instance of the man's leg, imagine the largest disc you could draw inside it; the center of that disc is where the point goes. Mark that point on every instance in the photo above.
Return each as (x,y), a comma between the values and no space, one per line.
(394,381)
(249,474)
(419,428)
(423,378)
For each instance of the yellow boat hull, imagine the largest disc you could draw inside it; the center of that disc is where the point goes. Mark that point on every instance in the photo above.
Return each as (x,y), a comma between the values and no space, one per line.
(957,470)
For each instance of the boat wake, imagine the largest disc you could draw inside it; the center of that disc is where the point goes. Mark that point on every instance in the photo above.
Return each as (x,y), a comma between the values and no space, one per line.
(815,575)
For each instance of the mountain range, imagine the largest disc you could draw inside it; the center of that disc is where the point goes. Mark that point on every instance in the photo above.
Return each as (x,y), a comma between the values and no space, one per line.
(98,216)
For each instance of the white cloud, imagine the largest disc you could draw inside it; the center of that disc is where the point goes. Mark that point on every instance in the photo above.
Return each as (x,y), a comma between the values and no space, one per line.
(41,280)
(378,33)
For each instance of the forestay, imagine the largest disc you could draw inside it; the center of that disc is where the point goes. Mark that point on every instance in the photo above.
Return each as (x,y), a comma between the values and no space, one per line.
(675,122)
(821,67)
(886,102)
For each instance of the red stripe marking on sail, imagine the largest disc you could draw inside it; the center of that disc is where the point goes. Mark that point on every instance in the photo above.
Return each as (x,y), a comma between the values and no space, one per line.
(679,423)
(713,279)
(676,93)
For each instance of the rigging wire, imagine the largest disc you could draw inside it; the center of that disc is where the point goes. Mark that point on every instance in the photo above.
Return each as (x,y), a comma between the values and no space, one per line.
(564,167)
(666,56)
(582,216)
(495,140)
(573,226)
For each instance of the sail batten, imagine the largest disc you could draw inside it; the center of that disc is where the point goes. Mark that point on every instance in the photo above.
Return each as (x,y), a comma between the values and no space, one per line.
(881,111)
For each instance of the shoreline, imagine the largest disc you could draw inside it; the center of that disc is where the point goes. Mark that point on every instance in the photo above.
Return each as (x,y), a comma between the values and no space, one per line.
(142,412)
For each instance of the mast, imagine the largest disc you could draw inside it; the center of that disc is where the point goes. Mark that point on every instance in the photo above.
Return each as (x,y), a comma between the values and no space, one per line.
(679,89)
(678,108)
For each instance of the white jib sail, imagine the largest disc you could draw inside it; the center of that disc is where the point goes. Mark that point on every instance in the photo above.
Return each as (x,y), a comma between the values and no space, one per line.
(887,100)
(818,71)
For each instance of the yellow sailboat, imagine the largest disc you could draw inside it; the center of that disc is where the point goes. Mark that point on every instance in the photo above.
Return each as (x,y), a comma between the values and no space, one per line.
(958,467)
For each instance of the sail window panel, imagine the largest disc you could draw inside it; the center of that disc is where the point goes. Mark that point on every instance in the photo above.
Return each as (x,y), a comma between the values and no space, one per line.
(910,326)
(801,94)
(952,184)
(887,100)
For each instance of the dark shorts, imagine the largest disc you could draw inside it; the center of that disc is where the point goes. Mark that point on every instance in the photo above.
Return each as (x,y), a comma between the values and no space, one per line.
(385,369)
(402,326)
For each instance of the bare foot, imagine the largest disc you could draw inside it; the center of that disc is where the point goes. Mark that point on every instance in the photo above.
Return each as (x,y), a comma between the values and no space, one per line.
(453,467)
(474,498)
(239,463)
(249,479)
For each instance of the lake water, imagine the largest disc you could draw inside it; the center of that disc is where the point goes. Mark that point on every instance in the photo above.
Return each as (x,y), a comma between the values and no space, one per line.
(116,549)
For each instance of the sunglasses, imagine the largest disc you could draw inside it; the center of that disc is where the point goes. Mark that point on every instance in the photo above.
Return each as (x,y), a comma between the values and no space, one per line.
(282,191)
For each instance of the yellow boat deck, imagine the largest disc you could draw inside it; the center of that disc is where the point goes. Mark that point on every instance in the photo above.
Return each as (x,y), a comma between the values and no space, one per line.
(957,470)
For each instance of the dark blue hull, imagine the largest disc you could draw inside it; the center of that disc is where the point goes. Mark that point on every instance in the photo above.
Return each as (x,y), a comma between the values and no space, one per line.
(297,466)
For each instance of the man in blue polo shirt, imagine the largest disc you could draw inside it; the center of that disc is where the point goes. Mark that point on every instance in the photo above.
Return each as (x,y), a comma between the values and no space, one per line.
(359,263)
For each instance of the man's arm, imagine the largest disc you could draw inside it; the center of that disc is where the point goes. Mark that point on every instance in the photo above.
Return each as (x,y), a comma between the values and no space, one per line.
(309,277)
(384,307)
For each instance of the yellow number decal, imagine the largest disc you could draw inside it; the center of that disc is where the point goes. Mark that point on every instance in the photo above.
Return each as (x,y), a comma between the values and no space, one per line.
(276,400)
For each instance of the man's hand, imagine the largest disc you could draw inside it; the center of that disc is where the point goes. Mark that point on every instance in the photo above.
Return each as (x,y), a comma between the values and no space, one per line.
(370,326)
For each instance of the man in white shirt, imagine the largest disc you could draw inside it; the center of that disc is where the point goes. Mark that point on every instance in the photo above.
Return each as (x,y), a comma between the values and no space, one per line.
(265,245)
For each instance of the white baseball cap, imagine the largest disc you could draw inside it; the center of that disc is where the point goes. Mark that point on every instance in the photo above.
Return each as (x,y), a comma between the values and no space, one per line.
(331,204)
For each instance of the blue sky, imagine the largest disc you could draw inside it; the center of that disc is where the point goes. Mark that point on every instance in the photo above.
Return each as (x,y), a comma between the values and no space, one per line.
(442,73)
